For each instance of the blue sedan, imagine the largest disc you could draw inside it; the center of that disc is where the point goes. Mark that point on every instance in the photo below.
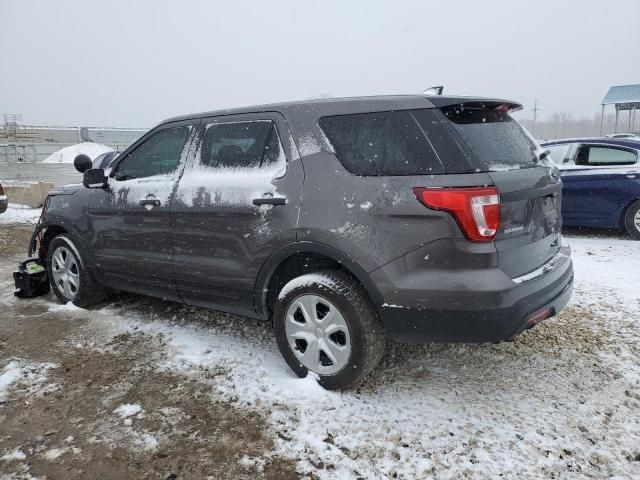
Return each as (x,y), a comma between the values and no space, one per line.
(601,178)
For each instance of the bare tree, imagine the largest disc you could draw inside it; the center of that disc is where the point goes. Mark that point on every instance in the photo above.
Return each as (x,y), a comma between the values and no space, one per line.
(565,125)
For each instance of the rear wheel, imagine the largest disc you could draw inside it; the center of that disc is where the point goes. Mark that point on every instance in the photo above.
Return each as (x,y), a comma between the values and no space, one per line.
(632,220)
(326,324)
(68,276)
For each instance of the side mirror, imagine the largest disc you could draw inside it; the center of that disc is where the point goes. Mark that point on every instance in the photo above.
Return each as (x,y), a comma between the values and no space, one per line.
(94,178)
(82,163)
(545,154)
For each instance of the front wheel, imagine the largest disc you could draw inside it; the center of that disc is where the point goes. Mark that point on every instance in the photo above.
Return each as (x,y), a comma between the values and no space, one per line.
(632,220)
(69,277)
(325,323)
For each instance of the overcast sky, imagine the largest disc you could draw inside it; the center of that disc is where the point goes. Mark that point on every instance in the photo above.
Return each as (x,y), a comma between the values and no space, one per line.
(133,63)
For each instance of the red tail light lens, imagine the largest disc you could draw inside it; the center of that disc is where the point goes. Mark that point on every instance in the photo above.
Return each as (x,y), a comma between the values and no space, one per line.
(476,209)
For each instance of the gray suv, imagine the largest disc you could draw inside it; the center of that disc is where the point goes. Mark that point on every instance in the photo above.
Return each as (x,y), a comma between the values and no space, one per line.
(342,221)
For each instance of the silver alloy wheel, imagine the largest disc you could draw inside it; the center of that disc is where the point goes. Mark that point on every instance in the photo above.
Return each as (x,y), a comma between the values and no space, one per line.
(317,334)
(66,274)
(636,220)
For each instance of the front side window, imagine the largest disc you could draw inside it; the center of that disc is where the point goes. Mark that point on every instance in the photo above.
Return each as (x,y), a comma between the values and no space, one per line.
(158,155)
(605,156)
(251,144)
(559,153)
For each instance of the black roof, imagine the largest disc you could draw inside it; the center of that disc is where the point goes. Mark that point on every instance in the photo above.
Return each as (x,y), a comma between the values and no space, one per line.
(380,103)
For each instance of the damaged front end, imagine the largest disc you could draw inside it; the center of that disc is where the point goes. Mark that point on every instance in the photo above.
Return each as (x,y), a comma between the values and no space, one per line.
(31,279)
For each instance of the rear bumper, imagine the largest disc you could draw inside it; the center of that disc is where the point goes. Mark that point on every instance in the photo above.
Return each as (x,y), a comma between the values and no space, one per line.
(464,312)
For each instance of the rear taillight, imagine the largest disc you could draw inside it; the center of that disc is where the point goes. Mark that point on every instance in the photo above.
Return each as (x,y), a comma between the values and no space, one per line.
(476,209)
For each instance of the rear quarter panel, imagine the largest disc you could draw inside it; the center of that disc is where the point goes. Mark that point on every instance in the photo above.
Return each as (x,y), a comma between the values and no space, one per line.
(373,220)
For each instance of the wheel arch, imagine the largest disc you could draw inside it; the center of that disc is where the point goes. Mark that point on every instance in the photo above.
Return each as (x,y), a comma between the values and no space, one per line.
(278,269)
(625,210)
(41,243)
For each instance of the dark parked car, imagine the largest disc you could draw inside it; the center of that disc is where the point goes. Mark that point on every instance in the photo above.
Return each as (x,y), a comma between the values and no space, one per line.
(601,178)
(343,221)
(4,201)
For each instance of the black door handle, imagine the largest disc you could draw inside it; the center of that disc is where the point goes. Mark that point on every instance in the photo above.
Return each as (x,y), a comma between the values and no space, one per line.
(270,201)
(154,202)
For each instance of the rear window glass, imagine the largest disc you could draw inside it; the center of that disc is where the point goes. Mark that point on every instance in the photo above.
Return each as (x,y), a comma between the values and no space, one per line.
(381,143)
(469,138)
(496,140)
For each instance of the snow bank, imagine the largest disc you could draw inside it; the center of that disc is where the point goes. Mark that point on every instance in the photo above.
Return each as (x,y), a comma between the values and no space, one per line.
(20,214)
(68,154)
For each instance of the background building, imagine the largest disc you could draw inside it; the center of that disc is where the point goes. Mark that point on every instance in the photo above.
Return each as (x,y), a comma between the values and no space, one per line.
(20,143)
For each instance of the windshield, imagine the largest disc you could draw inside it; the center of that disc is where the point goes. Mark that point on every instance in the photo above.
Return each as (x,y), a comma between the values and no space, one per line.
(495,140)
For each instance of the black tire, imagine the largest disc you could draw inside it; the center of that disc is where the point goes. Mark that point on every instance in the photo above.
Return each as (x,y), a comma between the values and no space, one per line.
(89,291)
(629,220)
(365,331)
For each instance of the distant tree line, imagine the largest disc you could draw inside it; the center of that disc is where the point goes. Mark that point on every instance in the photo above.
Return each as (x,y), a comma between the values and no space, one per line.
(565,125)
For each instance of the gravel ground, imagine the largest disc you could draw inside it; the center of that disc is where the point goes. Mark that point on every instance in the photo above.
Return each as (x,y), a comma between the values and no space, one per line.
(140,388)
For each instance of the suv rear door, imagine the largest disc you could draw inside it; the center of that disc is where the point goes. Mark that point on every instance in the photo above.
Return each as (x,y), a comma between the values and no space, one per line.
(236,203)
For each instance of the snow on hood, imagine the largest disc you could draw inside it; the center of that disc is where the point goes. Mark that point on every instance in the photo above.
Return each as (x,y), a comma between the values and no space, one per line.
(68,154)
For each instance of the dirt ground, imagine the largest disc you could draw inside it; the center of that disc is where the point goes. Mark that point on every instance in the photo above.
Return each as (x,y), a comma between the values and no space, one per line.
(141,388)
(201,436)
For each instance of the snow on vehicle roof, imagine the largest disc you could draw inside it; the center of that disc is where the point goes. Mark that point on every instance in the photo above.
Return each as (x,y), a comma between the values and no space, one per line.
(68,154)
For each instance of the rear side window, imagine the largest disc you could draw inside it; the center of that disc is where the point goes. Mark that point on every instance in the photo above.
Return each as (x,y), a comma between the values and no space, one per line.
(604,156)
(381,143)
(249,144)
(496,140)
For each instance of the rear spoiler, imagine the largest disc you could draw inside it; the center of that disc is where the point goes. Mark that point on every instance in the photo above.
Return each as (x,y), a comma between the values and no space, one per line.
(476,102)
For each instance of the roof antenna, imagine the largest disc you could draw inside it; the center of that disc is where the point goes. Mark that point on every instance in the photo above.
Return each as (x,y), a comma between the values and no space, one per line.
(434,90)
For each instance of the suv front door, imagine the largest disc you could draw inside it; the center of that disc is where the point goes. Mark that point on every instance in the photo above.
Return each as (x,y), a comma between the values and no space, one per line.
(236,203)
(129,220)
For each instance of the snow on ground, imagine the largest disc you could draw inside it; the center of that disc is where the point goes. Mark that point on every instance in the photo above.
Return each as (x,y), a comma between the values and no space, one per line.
(16,213)
(128,410)
(30,378)
(561,401)
(15,455)
(68,154)
(10,373)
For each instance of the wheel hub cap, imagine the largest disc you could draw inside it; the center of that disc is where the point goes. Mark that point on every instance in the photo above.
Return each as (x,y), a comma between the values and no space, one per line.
(66,274)
(317,334)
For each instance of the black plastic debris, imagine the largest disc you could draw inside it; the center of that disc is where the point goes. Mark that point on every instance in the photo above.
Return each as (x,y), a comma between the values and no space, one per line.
(31,279)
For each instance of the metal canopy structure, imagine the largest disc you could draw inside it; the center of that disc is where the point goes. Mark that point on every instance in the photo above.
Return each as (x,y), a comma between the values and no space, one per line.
(622,97)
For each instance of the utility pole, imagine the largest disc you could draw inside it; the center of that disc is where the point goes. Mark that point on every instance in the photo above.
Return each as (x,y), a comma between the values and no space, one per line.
(535,116)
